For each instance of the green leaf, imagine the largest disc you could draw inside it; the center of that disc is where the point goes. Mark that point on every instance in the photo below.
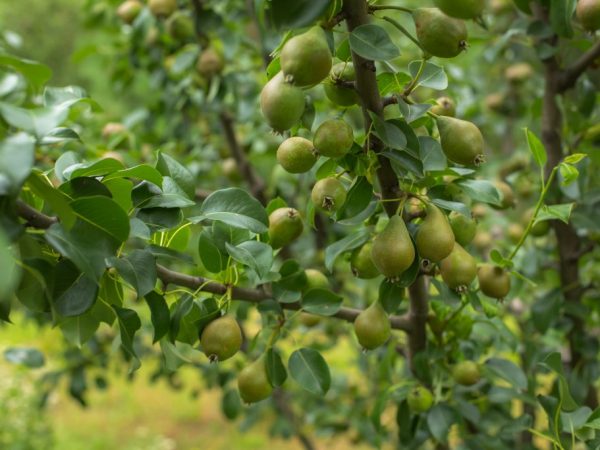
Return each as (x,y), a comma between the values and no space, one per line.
(431,154)
(568,173)
(297,14)
(391,135)
(235,207)
(104,214)
(310,370)
(391,295)
(536,148)
(561,12)
(16,162)
(141,172)
(439,420)
(173,358)
(359,197)
(67,96)
(372,42)
(561,212)
(29,357)
(575,158)
(79,329)
(321,301)
(433,76)
(159,314)
(172,196)
(452,206)
(508,371)
(412,111)
(10,273)
(333,251)
(254,254)
(59,202)
(74,292)
(36,73)
(553,362)
(210,255)
(138,268)
(276,372)
(170,167)
(129,324)
(389,82)
(39,121)
(480,190)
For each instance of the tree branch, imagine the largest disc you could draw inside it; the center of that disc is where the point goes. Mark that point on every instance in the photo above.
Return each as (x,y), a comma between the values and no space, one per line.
(33,217)
(568,78)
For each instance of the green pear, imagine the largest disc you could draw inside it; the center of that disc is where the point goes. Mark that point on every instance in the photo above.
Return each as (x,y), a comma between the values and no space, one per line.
(393,251)
(539,229)
(334,138)
(461,141)
(458,269)
(316,279)
(180,26)
(210,63)
(463,227)
(129,10)
(361,263)
(285,226)
(588,14)
(435,239)
(306,58)
(281,103)
(162,8)
(372,327)
(253,382)
(419,399)
(328,194)
(221,338)
(494,281)
(466,373)
(461,9)
(296,155)
(507,199)
(337,93)
(444,106)
(438,34)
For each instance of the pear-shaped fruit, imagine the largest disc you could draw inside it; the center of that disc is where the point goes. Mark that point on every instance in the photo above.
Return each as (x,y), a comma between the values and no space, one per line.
(435,239)
(514,232)
(362,264)
(507,195)
(466,373)
(309,320)
(129,10)
(210,63)
(253,383)
(328,194)
(285,225)
(419,399)
(281,103)
(180,26)
(221,338)
(393,251)
(518,73)
(438,34)
(463,227)
(306,58)
(539,229)
(444,106)
(296,155)
(315,279)
(461,141)
(588,14)
(162,8)
(494,281)
(334,138)
(458,269)
(461,9)
(335,91)
(482,241)
(231,170)
(372,327)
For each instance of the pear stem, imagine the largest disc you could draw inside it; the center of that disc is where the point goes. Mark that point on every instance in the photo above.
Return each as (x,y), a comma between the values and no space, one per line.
(403,31)
(415,81)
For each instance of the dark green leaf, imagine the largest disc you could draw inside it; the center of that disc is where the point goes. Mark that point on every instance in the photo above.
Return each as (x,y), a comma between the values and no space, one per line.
(29,357)
(170,167)
(372,42)
(432,76)
(298,14)
(536,148)
(104,214)
(321,301)
(508,371)
(350,242)
(310,370)
(481,191)
(129,324)
(16,162)
(439,420)
(138,268)
(276,372)
(159,314)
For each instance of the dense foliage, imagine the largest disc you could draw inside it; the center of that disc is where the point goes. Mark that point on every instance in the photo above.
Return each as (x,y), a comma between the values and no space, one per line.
(403,187)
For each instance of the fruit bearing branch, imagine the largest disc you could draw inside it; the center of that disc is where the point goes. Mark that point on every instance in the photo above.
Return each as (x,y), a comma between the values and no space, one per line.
(37,219)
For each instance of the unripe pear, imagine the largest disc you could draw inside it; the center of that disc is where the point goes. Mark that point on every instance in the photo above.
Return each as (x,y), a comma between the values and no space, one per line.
(588,14)
(281,103)
(507,197)
(129,10)
(463,227)
(419,399)
(328,194)
(461,9)
(514,232)
(518,73)
(210,63)
(482,241)
(337,93)
(438,34)
(180,26)
(221,338)
(362,264)
(306,58)
(494,281)
(231,170)
(393,251)
(466,373)
(296,155)
(334,138)
(162,8)
(316,279)
(539,229)
(435,239)
(461,141)
(309,320)
(458,269)
(444,106)
(372,327)
(253,382)
(113,128)
(285,225)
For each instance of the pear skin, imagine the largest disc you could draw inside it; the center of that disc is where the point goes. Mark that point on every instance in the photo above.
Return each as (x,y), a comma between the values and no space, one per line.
(393,251)
(372,327)
(306,58)
(461,141)
(435,239)
(458,269)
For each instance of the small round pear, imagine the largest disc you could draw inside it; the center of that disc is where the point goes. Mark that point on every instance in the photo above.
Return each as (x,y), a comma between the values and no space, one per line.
(393,251)
(438,34)
(328,194)
(494,281)
(458,269)
(315,279)
(285,226)
(372,327)
(361,263)
(466,373)
(463,227)
(221,338)
(435,239)
(306,58)
(461,141)
(129,10)
(419,399)
(539,229)
(461,9)
(253,383)
(281,103)
(588,14)
(507,195)
(334,138)
(210,63)
(335,91)
(180,26)
(444,106)
(162,8)
(296,155)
